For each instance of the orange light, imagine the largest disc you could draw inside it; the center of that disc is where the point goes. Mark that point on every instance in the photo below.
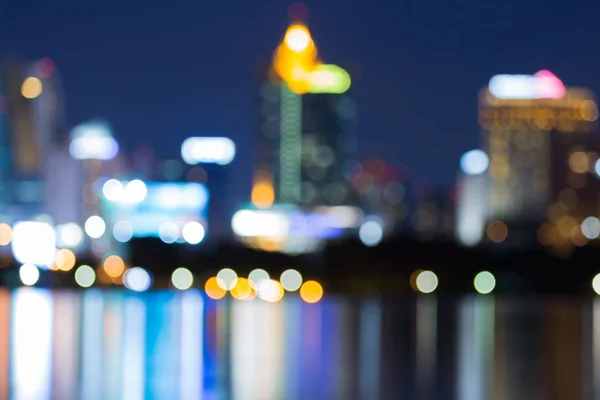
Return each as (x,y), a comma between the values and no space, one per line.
(497,231)
(114,266)
(263,195)
(5,234)
(311,291)
(64,260)
(242,290)
(213,290)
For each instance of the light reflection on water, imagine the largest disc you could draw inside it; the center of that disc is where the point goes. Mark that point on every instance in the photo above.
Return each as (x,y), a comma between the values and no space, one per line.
(164,345)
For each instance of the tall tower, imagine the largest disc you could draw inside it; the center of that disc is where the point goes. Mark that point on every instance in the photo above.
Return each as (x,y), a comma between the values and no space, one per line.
(521,115)
(306,130)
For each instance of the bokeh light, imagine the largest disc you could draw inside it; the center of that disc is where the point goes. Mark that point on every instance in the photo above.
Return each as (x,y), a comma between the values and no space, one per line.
(311,291)
(596,284)
(227,279)
(65,260)
(32,87)
(137,279)
(213,290)
(590,227)
(256,276)
(291,280)
(85,276)
(69,235)
(242,290)
(114,266)
(123,231)
(182,278)
(297,38)
(95,227)
(113,190)
(193,232)
(427,282)
(474,162)
(270,291)
(484,282)
(5,234)
(168,232)
(371,233)
(135,191)
(29,274)
(579,162)
(497,231)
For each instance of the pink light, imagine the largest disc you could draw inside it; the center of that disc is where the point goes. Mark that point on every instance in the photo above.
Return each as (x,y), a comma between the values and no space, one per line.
(46,67)
(549,86)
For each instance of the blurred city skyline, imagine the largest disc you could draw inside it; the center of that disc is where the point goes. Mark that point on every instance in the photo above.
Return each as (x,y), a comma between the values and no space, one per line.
(416,69)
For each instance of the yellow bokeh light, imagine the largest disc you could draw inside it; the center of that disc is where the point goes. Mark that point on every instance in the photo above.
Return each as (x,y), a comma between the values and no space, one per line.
(297,38)
(311,291)
(5,234)
(328,78)
(32,87)
(263,195)
(213,290)
(242,289)
(64,260)
(114,266)
(589,110)
(578,161)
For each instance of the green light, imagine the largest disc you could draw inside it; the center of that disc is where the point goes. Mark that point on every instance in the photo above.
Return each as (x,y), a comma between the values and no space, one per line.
(329,78)
(484,282)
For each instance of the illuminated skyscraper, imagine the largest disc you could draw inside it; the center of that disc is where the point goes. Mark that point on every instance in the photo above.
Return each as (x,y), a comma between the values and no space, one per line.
(521,116)
(306,130)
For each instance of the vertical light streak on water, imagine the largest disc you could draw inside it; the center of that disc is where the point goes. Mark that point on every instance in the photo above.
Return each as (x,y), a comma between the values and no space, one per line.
(311,345)
(223,329)
(66,341)
(270,361)
(113,334)
(31,344)
(345,360)
(210,347)
(331,349)
(292,334)
(4,342)
(162,346)
(134,345)
(587,349)
(246,376)
(475,347)
(192,329)
(499,391)
(426,345)
(370,344)
(92,345)
(596,346)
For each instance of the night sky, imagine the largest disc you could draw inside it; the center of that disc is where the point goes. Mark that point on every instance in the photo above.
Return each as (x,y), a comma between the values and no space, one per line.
(163,71)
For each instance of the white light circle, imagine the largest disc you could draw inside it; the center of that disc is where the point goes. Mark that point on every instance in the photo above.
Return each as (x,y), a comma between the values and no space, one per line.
(474,162)
(29,274)
(596,284)
(193,232)
(370,233)
(597,167)
(227,279)
(113,190)
(484,282)
(182,278)
(95,227)
(427,282)
(69,235)
(256,276)
(590,227)
(269,290)
(137,279)
(291,280)
(123,231)
(85,276)
(168,232)
(135,191)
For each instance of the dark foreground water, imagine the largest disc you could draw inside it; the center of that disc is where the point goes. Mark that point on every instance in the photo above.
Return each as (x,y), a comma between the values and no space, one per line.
(98,345)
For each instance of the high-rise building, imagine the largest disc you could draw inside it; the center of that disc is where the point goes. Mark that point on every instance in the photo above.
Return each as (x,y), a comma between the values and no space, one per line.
(304,142)
(522,115)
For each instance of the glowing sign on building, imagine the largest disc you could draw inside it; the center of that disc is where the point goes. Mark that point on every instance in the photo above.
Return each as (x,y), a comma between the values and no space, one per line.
(329,78)
(542,85)
(208,150)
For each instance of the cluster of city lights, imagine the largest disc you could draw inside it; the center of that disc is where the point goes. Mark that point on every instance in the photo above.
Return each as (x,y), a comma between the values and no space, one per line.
(297,64)
(260,284)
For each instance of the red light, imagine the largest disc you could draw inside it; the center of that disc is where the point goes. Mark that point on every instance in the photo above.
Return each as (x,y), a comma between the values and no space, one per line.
(46,67)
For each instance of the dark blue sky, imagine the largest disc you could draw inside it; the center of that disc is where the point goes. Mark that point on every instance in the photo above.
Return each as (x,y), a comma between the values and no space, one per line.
(163,71)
